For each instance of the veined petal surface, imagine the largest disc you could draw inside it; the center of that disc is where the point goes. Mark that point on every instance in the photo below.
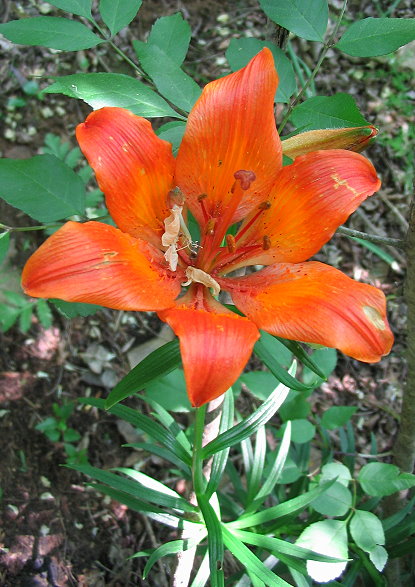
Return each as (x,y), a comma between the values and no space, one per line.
(134,169)
(315,303)
(215,348)
(96,263)
(231,128)
(308,202)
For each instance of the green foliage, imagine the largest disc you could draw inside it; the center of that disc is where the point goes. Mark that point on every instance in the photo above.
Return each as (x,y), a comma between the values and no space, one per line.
(377,36)
(380,479)
(18,309)
(79,7)
(336,111)
(307,19)
(117,14)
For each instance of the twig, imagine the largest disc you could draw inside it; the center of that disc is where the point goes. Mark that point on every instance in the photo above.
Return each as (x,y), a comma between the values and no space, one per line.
(373,238)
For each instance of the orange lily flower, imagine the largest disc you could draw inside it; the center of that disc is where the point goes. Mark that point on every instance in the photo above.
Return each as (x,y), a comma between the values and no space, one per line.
(228,170)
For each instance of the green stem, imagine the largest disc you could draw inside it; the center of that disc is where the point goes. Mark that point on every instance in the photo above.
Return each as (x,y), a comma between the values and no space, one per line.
(28,228)
(327,45)
(381,240)
(199,482)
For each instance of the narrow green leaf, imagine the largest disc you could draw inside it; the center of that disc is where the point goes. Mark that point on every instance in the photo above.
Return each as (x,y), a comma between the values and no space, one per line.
(257,470)
(50,31)
(297,350)
(146,424)
(220,458)
(79,7)
(250,561)
(326,359)
(215,541)
(44,313)
(117,14)
(394,520)
(319,112)
(8,316)
(4,245)
(391,261)
(287,508)
(43,187)
(240,51)
(169,549)
(172,35)
(170,423)
(173,133)
(248,426)
(171,81)
(25,318)
(306,18)
(163,453)
(277,546)
(202,575)
(158,363)
(262,351)
(376,36)
(113,89)
(169,391)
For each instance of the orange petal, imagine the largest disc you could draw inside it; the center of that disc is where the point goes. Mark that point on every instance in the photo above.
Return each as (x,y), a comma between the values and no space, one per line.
(215,348)
(96,263)
(353,139)
(134,169)
(315,303)
(231,128)
(309,201)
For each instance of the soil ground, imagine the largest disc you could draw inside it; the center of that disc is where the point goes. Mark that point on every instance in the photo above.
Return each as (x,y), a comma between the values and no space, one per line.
(56,530)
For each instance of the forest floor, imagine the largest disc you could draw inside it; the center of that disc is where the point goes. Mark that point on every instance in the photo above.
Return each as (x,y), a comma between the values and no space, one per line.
(55,529)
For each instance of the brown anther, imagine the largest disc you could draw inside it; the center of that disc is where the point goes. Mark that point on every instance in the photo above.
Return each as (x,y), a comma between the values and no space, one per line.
(202,197)
(210,226)
(266,243)
(231,243)
(264,205)
(245,178)
(175,196)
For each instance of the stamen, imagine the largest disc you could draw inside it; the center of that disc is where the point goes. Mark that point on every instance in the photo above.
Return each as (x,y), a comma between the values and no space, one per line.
(245,178)
(199,276)
(175,197)
(262,206)
(231,243)
(210,226)
(202,205)
(266,243)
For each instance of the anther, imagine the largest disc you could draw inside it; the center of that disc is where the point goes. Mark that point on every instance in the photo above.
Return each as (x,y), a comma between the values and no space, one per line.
(231,243)
(210,226)
(266,243)
(264,205)
(202,197)
(175,196)
(245,178)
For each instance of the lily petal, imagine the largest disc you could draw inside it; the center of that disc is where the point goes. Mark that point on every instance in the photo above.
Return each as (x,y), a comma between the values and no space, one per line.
(215,348)
(308,202)
(134,169)
(231,128)
(315,303)
(96,263)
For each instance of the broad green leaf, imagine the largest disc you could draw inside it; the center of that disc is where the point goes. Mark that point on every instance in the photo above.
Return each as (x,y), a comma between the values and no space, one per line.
(4,245)
(297,350)
(366,530)
(377,36)
(173,133)
(73,309)
(334,502)
(306,18)
(8,316)
(337,416)
(326,359)
(79,7)
(336,471)
(171,81)
(112,89)
(379,557)
(336,111)
(172,35)
(50,31)
(381,479)
(328,537)
(260,383)
(240,51)
(250,561)
(44,313)
(170,392)
(287,508)
(248,426)
(117,14)
(158,363)
(302,430)
(295,406)
(146,424)
(43,187)
(277,348)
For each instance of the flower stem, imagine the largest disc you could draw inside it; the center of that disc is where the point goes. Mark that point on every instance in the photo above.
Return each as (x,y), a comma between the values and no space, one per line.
(327,45)
(199,482)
